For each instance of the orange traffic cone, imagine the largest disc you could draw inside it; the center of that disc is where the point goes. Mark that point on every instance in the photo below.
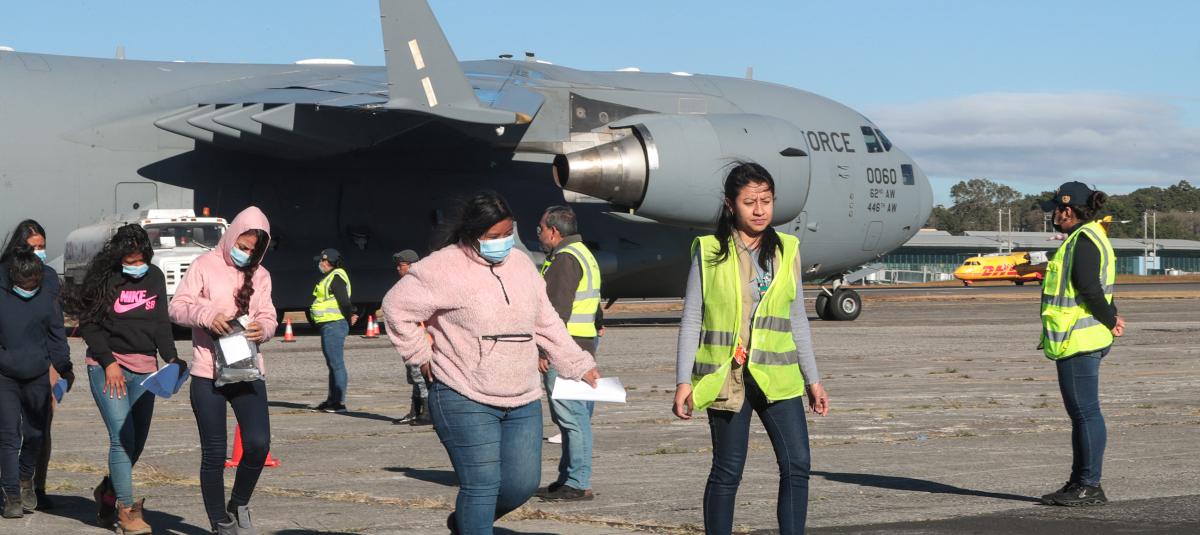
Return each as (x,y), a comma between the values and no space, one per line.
(237,452)
(287,333)
(372,328)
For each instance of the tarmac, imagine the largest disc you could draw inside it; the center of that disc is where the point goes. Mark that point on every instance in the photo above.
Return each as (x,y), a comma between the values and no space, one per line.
(945,419)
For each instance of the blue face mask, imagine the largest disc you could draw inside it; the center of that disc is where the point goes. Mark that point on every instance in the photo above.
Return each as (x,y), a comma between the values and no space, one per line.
(25,294)
(495,251)
(41,253)
(136,272)
(240,258)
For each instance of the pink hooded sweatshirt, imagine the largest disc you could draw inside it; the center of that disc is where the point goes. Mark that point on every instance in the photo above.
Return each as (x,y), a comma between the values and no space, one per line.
(466,302)
(209,288)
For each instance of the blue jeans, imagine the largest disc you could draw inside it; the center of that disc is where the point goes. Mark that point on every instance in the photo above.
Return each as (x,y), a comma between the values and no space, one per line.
(788,430)
(496,455)
(333,345)
(1079,382)
(574,419)
(128,423)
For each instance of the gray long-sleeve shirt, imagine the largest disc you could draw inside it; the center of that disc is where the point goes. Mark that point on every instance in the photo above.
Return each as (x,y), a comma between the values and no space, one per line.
(693,310)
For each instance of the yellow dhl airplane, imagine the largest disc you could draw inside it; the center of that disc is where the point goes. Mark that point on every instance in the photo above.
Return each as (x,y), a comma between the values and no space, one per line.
(1019,267)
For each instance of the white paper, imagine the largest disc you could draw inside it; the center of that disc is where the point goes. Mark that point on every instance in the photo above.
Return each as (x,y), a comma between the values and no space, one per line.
(607,389)
(166,241)
(235,348)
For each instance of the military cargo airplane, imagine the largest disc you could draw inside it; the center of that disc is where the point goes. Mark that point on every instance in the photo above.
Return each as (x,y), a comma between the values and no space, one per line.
(371,160)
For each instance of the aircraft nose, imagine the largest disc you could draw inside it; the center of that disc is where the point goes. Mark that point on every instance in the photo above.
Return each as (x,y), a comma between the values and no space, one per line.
(925,194)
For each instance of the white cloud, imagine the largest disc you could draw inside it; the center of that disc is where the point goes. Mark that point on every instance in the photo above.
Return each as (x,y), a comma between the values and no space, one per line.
(1033,141)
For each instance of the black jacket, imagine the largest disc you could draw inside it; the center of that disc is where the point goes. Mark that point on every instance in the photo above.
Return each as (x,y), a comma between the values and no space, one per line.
(32,337)
(136,322)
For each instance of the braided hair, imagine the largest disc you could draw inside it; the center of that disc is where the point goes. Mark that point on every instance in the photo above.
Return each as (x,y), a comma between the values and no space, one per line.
(243,295)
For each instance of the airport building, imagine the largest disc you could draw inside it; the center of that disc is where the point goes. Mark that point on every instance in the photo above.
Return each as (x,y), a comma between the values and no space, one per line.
(934,254)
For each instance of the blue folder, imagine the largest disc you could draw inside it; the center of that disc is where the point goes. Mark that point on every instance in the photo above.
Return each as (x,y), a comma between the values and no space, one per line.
(165,382)
(60,389)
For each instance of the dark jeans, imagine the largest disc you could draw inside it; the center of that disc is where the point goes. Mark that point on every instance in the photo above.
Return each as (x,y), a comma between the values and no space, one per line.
(127,420)
(249,402)
(496,455)
(333,345)
(1079,382)
(788,430)
(23,408)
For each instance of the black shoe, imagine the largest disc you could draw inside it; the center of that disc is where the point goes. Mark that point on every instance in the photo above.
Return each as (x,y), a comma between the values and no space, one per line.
(12,506)
(334,407)
(321,407)
(421,419)
(450,524)
(28,497)
(1076,495)
(43,501)
(407,419)
(548,489)
(567,493)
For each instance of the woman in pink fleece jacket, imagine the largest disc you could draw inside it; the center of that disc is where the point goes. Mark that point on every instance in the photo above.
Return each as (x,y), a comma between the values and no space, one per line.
(488,315)
(221,285)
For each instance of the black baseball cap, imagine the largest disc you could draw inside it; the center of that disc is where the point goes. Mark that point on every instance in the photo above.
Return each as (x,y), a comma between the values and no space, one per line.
(332,255)
(407,255)
(1069,194)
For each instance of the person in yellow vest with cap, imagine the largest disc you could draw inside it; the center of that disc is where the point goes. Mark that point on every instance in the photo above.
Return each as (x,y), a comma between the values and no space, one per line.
(330,310)
(573,285)
(745,346)
(1079,322)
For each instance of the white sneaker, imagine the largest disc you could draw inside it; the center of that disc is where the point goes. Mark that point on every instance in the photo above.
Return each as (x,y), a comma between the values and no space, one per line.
(556,439)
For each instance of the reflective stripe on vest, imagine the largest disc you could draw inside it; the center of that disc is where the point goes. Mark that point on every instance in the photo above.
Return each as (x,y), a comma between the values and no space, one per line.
(325,306)
(582,323)
(1068,327)
(773,360)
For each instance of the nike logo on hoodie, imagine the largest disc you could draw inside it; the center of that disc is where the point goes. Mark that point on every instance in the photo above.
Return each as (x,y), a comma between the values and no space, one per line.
(132,299)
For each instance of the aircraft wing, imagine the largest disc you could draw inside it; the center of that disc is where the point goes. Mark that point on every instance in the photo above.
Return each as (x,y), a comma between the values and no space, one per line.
(352,110)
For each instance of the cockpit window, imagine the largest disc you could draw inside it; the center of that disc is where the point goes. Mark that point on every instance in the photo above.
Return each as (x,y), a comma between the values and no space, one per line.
(872,142)
(971,263)
(907,170)
(887,143)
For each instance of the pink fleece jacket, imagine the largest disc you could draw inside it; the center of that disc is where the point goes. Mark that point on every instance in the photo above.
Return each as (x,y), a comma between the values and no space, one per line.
(465,301)
(209,288)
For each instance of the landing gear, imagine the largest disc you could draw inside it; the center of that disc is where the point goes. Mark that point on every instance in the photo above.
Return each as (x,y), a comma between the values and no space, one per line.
(1020,283)
(838,304)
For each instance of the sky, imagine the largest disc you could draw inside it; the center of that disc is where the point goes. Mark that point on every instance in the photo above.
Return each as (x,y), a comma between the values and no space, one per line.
(1025,93)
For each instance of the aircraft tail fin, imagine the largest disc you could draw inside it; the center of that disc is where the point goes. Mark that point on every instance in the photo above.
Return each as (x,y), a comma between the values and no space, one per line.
(423,72)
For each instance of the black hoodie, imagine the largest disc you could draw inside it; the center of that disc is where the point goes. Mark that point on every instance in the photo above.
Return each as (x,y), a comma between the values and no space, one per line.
(135,323)
(31,330)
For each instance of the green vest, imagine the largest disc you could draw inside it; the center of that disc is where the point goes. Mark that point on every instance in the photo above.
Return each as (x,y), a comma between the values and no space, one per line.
(325,307)
(773,360)
(1068,327)
(582,323)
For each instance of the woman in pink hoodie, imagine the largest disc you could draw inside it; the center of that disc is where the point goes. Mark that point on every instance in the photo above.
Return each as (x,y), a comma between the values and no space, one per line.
(489,317)
(221,285)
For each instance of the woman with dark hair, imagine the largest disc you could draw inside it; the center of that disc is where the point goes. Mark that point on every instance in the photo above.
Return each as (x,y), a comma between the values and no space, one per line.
(333,313)
(1079,323)
(225,285)
(32,340)
(29,233)
(488,316)
(122,313)
(745,346)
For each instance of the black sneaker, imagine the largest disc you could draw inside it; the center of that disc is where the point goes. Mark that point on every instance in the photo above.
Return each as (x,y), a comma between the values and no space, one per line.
(407,419)
(1076,495)
(547,490)
(421,419)
(567,493)
(334,407)
(322,407)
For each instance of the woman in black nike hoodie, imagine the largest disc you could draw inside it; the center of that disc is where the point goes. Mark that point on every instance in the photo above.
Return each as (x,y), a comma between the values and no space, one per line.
(122,312)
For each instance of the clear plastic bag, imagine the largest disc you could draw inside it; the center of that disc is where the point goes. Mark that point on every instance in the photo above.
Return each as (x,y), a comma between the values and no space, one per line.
(236,357)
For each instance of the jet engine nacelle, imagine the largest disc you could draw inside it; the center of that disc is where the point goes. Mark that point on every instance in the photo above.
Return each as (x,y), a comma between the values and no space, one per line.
(671,168)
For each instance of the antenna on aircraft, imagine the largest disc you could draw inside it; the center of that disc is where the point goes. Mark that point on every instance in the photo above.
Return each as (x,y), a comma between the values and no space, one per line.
(505,56)
(749,73)
(120,51)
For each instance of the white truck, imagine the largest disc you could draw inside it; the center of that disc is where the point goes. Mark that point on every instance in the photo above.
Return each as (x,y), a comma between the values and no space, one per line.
(177,235)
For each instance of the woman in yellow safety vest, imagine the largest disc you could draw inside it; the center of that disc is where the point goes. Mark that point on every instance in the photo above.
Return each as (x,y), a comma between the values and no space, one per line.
(1079,322)
(744,345)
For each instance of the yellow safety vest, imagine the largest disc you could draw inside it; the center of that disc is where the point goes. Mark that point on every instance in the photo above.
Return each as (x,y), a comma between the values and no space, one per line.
(773,360)
(582,323)
(1068,327)
(325,307)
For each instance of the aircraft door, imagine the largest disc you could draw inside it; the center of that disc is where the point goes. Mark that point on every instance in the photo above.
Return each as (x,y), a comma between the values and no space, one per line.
(133,197)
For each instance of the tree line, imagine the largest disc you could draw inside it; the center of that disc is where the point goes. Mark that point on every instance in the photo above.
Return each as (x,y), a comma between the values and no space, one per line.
(977,202)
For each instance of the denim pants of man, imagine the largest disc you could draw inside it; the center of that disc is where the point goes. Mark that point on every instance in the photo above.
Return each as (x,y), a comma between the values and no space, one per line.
(496,454)
(1079,383)
(333,345)
(574,419)
(128,422)
(23,407)
(788,431)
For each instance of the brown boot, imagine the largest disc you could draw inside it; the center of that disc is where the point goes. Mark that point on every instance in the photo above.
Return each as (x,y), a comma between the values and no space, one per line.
(129,519)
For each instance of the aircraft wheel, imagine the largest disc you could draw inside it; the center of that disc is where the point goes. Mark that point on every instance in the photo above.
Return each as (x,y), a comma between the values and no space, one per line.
(1020,283)
(822,307)
(846,305)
